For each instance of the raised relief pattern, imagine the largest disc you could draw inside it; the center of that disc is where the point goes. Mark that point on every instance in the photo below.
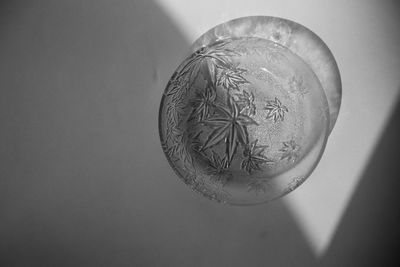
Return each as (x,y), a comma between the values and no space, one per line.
(276,110)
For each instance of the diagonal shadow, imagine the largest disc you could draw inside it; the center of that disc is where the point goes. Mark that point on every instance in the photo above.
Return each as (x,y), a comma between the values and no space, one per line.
(83,179)
(368,234)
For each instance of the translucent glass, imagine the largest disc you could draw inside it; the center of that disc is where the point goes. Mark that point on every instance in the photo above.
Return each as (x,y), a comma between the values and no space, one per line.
(244,120)
(294,36)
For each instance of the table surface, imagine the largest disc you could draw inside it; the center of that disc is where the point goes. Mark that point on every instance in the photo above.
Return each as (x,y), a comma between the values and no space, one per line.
(83,180)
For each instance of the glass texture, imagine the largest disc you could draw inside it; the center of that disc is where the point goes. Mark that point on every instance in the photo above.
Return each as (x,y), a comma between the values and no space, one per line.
(244,120)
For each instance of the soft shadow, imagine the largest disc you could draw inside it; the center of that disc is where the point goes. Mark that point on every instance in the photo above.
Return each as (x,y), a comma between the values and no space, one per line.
(83,178)
(369,232)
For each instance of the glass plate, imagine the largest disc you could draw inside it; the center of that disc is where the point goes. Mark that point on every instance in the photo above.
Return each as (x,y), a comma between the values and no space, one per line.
(243,120)
(297,38)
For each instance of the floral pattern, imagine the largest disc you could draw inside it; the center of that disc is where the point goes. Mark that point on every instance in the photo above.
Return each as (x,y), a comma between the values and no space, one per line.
(276,110)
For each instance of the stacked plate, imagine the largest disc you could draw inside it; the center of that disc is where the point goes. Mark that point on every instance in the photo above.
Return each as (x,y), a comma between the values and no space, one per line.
(246,116)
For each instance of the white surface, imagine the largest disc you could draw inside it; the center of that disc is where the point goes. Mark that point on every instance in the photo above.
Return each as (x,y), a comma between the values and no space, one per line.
(364,38)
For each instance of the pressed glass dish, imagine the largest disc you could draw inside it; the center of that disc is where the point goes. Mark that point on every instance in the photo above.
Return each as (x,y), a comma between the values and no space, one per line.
(244,120)
(294,36)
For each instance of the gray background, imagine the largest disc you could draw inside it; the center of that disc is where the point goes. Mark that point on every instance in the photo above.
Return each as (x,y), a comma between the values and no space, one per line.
(83,181)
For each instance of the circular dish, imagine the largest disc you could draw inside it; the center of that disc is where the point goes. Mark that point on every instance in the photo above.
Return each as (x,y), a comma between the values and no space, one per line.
(243,120)
(297,38)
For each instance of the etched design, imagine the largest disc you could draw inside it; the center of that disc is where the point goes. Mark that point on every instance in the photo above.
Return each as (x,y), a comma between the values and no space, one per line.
(323,112)
(275,110)
(203,103)
(296,85)
(214,191)
(211,128)
(222,196)
(289,150)
(217,51)
(177,85)
(206,59)
(181,148)
(194,140)
(254,157)
(213,65)
(229,126)
(273,55)
(176,109)
(296,182)
(218,169)
(257,186)
(231,78)
(276,35)
(172,131)
(281,34)
(217,192)
(246,103)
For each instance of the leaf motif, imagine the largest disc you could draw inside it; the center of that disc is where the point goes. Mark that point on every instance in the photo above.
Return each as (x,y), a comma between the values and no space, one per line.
(230,126)
(204,61)
(296,86)
(290,150)
(203,104)
(292,185)
(246,103)
(215,122)
(254,157)
(231,78)
(246,120)
(173,132)
(257,186)
(276,110)
(218,169)
(186,143)
(242,134)
(232,142)
(194,73)
(216,136)
(175,84)
(223,64)
(223,110)
(218,48)
(206,72)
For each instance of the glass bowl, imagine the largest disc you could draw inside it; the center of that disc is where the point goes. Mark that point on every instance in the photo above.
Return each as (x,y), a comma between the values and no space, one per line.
(297,38)
(244,120)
